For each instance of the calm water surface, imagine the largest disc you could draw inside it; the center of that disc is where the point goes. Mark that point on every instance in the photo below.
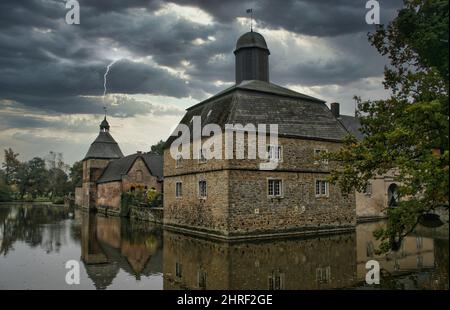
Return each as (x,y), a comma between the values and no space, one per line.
(115,253)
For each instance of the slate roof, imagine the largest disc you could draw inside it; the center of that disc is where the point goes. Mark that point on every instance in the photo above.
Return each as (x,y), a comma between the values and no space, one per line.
(259,102)
(352,124)
(117,168)
(104,147)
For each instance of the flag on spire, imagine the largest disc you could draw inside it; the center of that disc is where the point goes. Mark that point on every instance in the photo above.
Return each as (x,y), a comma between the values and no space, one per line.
(250,11)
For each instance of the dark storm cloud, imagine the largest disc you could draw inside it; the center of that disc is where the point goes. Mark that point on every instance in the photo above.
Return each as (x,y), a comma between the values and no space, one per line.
(49,65)
(51,72)
(318,17)
(44,62)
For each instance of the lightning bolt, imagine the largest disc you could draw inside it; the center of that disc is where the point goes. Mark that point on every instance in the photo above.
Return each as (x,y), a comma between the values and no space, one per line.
(105,76)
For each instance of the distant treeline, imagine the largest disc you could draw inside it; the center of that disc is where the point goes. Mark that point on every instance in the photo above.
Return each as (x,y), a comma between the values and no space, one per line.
(39,179)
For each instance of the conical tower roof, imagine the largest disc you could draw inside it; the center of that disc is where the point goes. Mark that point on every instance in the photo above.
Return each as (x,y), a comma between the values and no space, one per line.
(104,146)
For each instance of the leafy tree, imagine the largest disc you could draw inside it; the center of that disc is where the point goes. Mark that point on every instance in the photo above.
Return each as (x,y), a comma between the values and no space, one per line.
(58,182)
(22,180)
(5,190)
(37,176)
(408,133)
(158,148)
(76,174)
(11,165)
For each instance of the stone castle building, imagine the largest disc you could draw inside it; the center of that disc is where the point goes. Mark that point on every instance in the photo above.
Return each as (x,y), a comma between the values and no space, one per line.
(381,191)
(233,199)
(107,173)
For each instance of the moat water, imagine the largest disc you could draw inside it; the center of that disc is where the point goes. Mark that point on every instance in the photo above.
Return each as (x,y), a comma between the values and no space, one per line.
(116,253)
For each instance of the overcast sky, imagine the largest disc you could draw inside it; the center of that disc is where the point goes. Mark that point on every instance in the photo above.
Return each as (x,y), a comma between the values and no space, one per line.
(169,56)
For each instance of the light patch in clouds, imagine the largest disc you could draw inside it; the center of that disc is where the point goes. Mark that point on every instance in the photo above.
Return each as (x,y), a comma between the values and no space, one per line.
(368,88)
(192,14)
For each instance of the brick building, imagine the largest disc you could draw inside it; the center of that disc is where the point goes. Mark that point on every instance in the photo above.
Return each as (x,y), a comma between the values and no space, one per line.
(107,173)
(233,198)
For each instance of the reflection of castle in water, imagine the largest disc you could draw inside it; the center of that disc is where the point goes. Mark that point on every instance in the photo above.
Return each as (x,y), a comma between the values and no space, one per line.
(111,243)
(187,262)
(119,253)
(320,263)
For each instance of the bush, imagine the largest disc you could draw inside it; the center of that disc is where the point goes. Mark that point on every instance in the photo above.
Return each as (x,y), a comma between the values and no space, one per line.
(157,201)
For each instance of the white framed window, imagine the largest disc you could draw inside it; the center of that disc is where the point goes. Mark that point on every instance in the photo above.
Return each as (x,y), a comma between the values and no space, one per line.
(275,152)
(178,189)
(178,161)
(318,156)
(322,188)
(202,189)
(275,188)
(201,156)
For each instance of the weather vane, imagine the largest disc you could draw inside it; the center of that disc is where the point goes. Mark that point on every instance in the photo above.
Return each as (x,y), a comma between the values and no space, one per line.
(250,11)
(104,108)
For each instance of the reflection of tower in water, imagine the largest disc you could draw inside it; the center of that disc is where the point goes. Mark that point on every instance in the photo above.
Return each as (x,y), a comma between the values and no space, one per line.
(111,243)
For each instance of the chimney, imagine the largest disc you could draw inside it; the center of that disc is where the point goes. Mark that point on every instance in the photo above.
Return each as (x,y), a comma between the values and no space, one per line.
(334,106)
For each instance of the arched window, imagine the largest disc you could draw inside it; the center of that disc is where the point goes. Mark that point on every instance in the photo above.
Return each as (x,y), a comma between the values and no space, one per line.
(392,195)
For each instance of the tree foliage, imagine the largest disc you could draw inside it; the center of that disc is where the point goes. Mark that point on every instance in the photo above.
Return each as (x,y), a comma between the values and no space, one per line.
(407,134)
(43,178)
(76,174)
(158,148)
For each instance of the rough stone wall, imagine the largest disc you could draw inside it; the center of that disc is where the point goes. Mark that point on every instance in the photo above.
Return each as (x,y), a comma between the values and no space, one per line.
(298,155)
(237,202)
(252,211)
(210,214)
(109,195)
(316,263)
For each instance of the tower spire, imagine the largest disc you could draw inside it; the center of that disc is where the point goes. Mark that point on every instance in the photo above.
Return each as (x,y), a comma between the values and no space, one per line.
(250,11)
(104,126)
